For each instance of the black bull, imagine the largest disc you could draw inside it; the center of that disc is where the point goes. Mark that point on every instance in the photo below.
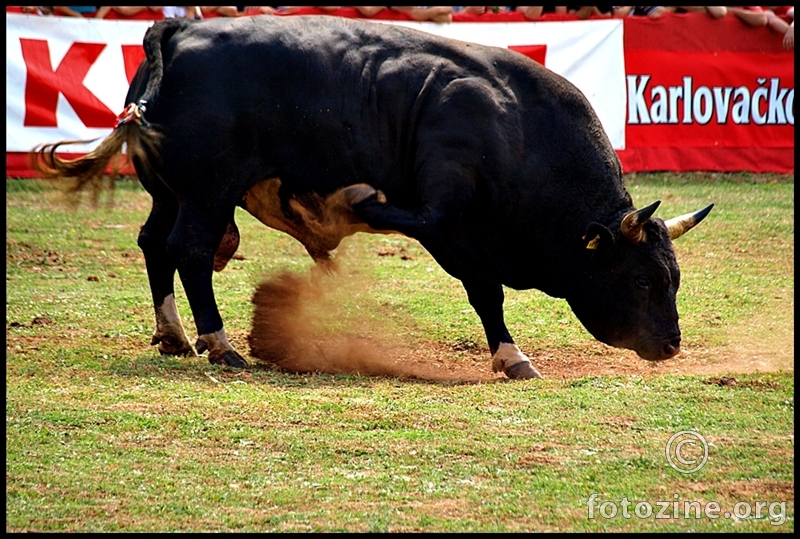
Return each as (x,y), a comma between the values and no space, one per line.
(497,166)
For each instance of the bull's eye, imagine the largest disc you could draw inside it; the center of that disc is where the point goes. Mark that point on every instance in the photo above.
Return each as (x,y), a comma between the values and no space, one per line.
(643,282)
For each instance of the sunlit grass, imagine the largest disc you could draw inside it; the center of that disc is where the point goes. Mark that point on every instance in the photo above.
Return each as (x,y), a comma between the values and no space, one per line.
(102,434)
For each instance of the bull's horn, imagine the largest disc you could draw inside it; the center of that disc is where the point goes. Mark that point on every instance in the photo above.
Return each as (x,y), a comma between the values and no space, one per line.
(678,226)
(632,223)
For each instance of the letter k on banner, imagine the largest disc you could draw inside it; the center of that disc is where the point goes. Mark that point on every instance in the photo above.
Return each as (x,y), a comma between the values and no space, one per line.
(43,84)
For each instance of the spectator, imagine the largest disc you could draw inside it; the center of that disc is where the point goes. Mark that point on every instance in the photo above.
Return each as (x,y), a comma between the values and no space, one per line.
(273,10)
(427,13)
(757,16)
(788,37)
(124,11)
(480,10)
(534,12)
(582,12)
(369,11)
(75,11)
(39,10)
(222,11)
(717,12)
(653,12)
(751,15)
(188,12)
(261,10)
(293,9)
(779,25)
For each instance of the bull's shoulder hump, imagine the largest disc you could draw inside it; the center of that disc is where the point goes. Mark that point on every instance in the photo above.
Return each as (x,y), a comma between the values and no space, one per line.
(340,41)
(314,34)
(289,30)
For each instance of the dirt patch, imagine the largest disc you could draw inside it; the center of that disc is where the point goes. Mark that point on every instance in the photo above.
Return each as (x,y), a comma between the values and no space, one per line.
(37,321)
(756,488)
(744,489)
(295,319)
(619,421)
(292,326)
(722,381)
(18,252)
(729,381)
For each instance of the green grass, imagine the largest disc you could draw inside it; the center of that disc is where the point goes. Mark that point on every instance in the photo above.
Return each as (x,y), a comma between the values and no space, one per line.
(102,434)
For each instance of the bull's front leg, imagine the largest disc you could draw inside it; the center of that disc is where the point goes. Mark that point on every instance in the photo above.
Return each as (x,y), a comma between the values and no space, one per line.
(193,244)
(487,300)
(446,185)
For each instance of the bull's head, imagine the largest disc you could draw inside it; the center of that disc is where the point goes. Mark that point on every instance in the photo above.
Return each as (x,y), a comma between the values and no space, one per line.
(626,297)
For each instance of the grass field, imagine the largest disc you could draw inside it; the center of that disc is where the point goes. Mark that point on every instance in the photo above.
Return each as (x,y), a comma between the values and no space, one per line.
(103,434)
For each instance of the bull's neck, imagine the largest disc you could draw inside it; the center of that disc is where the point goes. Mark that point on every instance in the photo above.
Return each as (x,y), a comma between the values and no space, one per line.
(571,263)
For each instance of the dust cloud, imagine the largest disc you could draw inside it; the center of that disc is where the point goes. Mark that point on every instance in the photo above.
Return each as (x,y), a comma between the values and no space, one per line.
(312,322)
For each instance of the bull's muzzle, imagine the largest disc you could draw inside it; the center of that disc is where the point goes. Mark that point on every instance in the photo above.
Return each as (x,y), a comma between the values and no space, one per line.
(671,349)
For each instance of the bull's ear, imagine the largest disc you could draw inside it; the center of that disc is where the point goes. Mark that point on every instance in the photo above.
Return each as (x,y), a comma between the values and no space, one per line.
(597,235)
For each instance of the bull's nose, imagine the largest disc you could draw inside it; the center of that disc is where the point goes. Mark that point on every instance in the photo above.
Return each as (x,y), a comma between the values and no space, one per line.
(672,348)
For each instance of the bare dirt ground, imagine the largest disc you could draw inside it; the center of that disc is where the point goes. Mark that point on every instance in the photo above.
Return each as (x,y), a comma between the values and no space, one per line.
(291,313)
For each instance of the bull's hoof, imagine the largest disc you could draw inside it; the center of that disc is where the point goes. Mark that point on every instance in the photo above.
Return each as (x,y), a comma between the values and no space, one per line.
(229,358)
(514,363)
(360,192)
(522,371)
(220,351)
(172,346)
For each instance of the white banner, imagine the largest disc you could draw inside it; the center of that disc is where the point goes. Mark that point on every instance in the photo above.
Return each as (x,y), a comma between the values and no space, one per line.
(55,65)
(105,78)
(589,54)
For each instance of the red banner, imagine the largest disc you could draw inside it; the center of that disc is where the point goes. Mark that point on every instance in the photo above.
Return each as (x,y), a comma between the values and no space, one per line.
(705,94)
(699,93)
(697,99)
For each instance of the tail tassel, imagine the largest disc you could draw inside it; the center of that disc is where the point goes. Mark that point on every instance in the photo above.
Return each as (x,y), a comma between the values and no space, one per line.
(132,113)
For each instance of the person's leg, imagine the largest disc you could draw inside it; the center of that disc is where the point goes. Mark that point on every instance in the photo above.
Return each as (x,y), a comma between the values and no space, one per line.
(749,17)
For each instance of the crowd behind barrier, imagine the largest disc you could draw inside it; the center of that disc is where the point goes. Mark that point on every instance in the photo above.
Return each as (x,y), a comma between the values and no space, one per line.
(735,72)
(777,17)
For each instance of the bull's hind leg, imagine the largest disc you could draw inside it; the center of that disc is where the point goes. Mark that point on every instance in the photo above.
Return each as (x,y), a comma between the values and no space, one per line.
(445,188)
(193,244)
(169,334)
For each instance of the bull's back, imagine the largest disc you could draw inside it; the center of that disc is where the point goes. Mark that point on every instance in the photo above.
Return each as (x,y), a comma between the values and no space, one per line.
(298,92)
(326,102)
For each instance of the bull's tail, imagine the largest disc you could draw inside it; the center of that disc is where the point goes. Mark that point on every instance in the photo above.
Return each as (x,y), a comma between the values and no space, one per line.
(88,171)
(141,138)
(142,146)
